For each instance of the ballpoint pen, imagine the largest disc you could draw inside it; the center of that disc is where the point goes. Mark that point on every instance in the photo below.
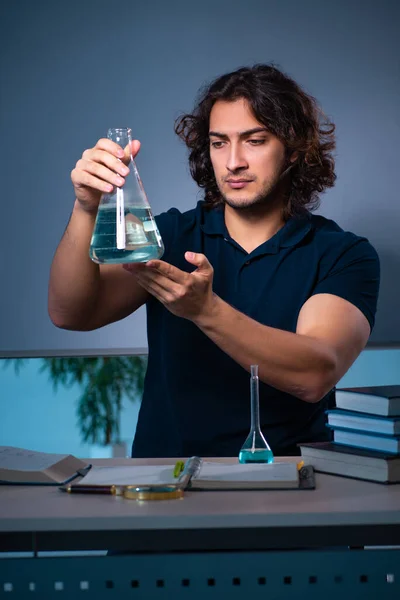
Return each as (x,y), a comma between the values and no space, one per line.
(114,490)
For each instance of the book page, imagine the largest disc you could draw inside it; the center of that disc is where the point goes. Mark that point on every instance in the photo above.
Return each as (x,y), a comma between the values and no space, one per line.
(278,471)
(18,459)
(129,475)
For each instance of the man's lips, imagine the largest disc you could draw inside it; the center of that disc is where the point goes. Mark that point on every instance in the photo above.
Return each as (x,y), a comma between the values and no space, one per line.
(238,183)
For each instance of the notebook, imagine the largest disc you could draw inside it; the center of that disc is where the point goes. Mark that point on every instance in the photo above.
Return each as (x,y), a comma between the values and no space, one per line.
(205,475)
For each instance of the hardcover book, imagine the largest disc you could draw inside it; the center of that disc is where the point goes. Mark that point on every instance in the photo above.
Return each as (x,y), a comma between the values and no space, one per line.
(363,421)
(378,400)
(348,461)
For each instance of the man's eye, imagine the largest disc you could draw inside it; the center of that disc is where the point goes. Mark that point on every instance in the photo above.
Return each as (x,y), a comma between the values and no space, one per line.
(256,142)
(217,144)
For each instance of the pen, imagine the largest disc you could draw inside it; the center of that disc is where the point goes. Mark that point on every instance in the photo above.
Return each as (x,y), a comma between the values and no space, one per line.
(112,490)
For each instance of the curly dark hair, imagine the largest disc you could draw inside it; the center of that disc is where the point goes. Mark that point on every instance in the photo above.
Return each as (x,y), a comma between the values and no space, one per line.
(287,111)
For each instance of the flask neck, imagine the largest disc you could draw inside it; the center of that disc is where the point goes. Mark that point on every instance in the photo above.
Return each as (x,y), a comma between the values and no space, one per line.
(255,405)
(122,136)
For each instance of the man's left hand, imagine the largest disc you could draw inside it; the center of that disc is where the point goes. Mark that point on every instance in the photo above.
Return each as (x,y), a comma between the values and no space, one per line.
(187,295)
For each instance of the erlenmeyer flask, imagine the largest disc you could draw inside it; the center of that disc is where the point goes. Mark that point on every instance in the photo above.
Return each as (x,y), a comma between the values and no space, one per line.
(255,449)
(125,230)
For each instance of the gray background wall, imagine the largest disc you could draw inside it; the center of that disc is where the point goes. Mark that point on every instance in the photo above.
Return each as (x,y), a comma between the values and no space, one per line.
(70,70)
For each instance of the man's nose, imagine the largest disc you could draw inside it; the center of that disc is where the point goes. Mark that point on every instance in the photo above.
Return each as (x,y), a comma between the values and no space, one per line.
(236,159)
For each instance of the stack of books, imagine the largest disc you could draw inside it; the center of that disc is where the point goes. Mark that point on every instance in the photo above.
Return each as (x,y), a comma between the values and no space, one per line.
(366,435)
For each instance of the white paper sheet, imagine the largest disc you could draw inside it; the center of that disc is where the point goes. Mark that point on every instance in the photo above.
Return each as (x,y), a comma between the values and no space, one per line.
(277,471)
(129,475)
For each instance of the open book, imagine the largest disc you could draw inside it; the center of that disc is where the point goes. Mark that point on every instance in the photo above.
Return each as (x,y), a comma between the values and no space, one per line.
(20,466)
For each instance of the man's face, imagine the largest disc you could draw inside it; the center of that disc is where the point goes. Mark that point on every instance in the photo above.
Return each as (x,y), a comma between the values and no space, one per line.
(246,158)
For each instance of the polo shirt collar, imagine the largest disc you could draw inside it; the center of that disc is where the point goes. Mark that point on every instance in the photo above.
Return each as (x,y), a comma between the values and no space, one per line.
(294,231)
(212,220)
(291,234)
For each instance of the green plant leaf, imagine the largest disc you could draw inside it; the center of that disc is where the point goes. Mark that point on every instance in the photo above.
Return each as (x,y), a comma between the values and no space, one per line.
(104,382)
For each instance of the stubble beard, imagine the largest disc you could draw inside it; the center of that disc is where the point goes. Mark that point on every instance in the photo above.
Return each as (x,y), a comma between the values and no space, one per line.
(271,192)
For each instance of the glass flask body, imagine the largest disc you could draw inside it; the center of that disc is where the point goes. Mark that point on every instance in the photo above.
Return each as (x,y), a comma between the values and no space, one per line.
(125,230)
(255,448)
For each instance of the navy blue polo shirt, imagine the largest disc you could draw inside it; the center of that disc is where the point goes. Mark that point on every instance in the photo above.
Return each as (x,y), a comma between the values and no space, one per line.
(197,399)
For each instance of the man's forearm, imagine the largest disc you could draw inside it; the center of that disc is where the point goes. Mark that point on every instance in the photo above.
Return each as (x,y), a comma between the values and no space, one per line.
(74,277)
(296,364)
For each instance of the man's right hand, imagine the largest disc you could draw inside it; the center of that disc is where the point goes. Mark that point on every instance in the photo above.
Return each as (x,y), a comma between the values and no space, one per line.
(99,170)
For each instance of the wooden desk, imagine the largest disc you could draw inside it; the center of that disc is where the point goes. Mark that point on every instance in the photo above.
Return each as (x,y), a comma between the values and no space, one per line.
(229,529)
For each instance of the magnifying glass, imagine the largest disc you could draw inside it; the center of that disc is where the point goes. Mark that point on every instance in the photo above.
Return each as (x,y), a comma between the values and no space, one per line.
(171,491)
(153,492)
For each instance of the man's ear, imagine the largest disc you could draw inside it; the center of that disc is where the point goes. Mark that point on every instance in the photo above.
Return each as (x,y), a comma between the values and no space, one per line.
(294,156)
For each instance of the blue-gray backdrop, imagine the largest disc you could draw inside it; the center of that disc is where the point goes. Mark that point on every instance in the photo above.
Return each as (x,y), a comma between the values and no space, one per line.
(70,70)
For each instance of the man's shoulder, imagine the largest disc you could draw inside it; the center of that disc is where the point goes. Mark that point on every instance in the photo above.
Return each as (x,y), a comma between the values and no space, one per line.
(327,227)
(332,240)
(327,231)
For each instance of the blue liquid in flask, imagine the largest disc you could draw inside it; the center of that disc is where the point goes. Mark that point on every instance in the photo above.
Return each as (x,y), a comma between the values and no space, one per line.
(142,237)
(259,455)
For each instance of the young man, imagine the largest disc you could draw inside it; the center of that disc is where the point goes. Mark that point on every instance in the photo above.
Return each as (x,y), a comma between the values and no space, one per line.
(249,276)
